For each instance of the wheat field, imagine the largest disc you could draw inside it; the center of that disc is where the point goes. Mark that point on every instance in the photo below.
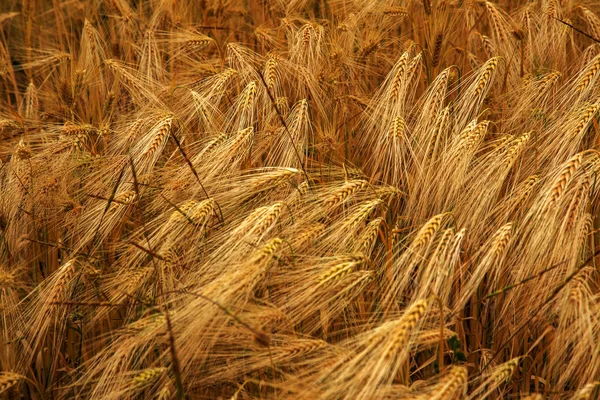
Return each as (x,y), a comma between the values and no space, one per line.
(299,199)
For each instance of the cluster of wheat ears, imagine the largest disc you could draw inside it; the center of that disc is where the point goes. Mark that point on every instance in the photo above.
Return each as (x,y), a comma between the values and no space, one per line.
(299,199)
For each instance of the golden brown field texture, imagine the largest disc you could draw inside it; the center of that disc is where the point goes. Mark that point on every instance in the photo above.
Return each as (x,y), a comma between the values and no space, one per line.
(300,199)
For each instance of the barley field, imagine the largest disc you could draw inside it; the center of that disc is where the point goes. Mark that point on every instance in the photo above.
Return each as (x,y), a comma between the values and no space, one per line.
(300,199)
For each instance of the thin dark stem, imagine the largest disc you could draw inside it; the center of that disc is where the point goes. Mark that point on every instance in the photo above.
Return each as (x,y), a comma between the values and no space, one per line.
(261,337)
(536,312)
(175,367)
(530,278)
(189,163)
(577,30)
(285,127)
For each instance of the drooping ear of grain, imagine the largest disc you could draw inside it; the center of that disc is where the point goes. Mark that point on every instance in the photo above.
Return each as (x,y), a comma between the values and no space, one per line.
(8,380)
